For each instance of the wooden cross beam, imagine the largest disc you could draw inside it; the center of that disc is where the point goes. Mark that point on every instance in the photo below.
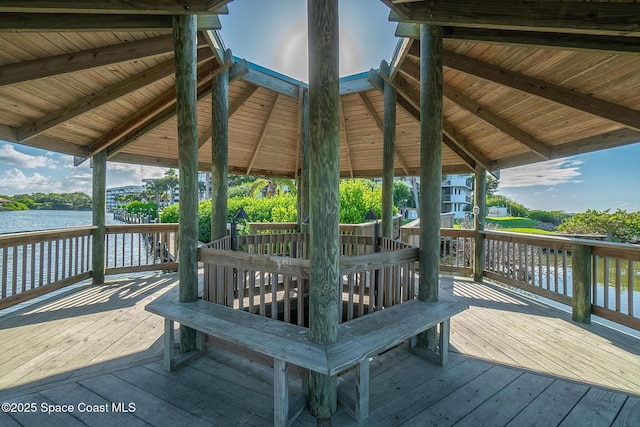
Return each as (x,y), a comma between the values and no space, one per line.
(142,7)
(619,18)
(603,43)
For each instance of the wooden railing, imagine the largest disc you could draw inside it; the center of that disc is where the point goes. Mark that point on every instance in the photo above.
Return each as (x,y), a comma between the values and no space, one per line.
(140,247)
(34,263)
(543,265)
(269,275)
(363,229)
(456,247)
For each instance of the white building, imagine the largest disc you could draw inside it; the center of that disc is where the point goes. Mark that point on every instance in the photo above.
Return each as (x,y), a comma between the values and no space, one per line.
(457,195)
(112,193)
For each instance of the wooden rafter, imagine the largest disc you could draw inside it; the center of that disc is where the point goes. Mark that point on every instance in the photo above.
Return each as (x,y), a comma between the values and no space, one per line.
(268,79)
(126,129)
(378,121)
(484,113)
(263,133)
(151,7)
(552,92)
(619,18)
(82,60)
(43,22)
(584,145)
(451,138)
(104,96)
(611,44)
(346,138)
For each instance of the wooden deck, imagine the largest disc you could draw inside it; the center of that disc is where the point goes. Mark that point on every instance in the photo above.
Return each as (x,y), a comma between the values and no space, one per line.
(514,361)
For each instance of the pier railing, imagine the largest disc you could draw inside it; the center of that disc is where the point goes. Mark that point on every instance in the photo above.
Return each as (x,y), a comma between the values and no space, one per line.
(35,263)
(268,275)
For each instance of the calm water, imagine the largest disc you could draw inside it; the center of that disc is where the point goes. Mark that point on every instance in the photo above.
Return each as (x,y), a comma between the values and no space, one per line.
(23,221)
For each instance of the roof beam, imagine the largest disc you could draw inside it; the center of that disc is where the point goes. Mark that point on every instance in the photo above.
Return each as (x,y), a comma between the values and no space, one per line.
(263,133)
(544,16)
(378,121)
(268,79)
(142,7)
(592,143)
(346,139)
(451,138)
(484,113)
(550,91)
(82,60)
(609,44)
(355,83)
(104,96)
(42,22)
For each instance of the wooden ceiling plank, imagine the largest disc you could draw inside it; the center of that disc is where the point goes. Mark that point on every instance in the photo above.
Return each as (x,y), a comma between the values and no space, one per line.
(468,160)
(263,133)
(77,61)
(152,7)
(552,92)
(586,42)
(346,138)
(158,106)
(60,22)
(233,108)
(487,115)
(617,18)
(463,144)
(104,96)
(378,121)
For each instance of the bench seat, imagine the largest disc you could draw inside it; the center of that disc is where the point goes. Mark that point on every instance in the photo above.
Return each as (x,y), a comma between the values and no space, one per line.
(358,340)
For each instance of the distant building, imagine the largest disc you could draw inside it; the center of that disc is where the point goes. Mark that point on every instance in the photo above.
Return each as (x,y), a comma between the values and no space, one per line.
(457,195)
(112,193)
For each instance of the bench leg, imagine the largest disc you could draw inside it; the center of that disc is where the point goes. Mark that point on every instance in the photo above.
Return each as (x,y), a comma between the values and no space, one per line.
(445,331)
(362,390)
(280,394)
(169,357)
(200,342)
(442,355)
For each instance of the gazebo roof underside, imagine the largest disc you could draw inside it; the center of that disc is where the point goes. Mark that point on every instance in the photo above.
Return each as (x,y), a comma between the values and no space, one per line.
(514,92)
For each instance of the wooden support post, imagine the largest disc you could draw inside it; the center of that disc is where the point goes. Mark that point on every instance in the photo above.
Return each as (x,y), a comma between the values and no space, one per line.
(219,154)
(430,170)
(581,267)
(184,37)
(281,393)
(480,195)
(388,157)
(99,196)
(303,191)
(324,206)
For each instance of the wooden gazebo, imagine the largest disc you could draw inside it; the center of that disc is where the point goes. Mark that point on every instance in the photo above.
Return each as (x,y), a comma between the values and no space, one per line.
(480,86)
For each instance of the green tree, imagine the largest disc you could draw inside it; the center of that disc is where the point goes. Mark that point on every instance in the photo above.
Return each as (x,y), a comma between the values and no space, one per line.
(401,194)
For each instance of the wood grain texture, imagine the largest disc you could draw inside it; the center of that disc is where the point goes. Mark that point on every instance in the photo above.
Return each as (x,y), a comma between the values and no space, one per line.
(389,148)
(184,34)
(99,197)
(219,154)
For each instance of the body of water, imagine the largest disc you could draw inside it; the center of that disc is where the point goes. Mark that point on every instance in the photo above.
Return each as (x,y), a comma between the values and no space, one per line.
(36,220)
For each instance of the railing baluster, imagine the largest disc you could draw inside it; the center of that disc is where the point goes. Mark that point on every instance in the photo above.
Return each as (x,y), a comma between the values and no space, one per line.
(618,284)
(630,289)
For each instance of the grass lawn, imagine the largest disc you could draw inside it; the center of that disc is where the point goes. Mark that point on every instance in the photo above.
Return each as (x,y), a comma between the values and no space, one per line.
(517,225)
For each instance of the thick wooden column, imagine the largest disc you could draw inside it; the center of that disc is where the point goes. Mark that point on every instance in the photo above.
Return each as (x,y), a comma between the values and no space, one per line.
(430,169)
(99,195)
(303,191)
(480,195)
(184,37)
(388,156)
(581,266)
(219,154)
(324,205)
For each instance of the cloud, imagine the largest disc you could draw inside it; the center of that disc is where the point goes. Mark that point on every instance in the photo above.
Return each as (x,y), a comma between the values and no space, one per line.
(121,174)
(14,181)
(548,174)
(10,155)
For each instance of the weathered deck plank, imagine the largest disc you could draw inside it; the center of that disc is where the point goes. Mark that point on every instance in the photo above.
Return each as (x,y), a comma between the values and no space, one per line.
(511,364)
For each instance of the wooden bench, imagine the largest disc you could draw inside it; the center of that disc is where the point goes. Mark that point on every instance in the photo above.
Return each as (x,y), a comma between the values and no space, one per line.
(358,340)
